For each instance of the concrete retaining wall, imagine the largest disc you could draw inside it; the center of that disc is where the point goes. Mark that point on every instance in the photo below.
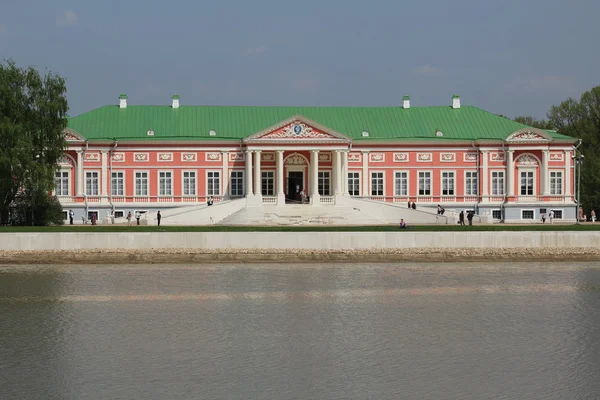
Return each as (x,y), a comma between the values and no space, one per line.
(295,240)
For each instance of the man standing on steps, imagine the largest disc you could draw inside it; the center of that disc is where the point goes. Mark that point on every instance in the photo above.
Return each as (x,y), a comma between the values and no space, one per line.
(71,215)
(158,217)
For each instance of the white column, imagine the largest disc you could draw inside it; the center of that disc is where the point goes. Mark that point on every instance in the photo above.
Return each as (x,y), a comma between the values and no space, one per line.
(249,191)
(279,167)
(104,177)
(345,173)
(257,175)
(365,173)
(79,174)
(226,177)
(337,172)
(510,172)
(544,174)
(485,176)
(314,196)
(568,171)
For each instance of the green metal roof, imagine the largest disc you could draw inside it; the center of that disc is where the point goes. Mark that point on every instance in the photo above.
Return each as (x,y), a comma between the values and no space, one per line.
(238,122)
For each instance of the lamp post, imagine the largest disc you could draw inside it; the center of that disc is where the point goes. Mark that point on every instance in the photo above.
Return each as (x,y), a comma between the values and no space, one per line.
(578,159)
(34,184)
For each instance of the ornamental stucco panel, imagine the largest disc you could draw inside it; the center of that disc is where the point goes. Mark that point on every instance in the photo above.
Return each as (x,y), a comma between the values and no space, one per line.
(164,157)
(424,157)
(92,157)
(237,156)
(557,156)
(470,157)
(141,157)
(448,157)
(212,157)
(118,157)
(377,157)
(189,157)
(401,157)
(496,156)
(354,157)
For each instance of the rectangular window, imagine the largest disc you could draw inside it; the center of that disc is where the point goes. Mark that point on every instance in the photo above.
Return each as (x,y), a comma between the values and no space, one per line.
(237,183)
(117,183)
(61,183)
(401,183)
(556,182)
(91,183)
(119,214)
(424,183)
(526,183)
(268,183)
(497,183)
(141,184)
(376,183)
(527,214)
(213,183)
(470,183)
(447,183)
(558,214)
(189,183)
(354,183)
(165,183)
(497,214)
(324,183)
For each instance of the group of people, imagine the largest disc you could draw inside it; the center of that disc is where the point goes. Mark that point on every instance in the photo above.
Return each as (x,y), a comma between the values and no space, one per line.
(470,215)
(412,205)
(550,215)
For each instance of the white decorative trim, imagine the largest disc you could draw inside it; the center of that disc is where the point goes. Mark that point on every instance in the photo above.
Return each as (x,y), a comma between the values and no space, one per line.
(324,156)
(237,156)
(66,162)
(496,157)
(72,136)
(213,157)
(93,157)
(189,157)
(469,157)
(267,156)
(377,157)
(529,135)
(288,133)
(447,157)
(557,156)
(296,159)
(401,157)
(527,160)
(164,157)
(354,157)
(297,130)
(118,157)
(424,157)
(141,157)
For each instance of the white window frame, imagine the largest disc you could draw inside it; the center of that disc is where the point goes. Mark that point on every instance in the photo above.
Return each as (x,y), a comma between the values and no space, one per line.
(206,177)
(62,171)
(468,189)
(274,178)
(492,213)
(98,177)
(135,192)
(371,182)
(92,211)
(158,178)
(183,179)
(426,171)
(533,171)
(528,209)
(119,171)
(329,182)
(453,172)
(562,212)
(359,182)
(243,178)
(402,171)
(503,186)
(66,214)
(124,214)
(562,181)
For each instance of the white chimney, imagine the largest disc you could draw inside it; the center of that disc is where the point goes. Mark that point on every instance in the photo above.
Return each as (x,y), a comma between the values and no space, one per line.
(123,101)
(456,101)
(175,100)
(406,102)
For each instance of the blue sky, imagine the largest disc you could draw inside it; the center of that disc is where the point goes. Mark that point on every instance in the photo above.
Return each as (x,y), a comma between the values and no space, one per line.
(508,57)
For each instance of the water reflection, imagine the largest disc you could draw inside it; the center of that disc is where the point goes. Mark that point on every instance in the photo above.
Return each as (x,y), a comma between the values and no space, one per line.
(449,331)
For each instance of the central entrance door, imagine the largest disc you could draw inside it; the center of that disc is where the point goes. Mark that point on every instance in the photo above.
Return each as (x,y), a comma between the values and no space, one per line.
(295,184)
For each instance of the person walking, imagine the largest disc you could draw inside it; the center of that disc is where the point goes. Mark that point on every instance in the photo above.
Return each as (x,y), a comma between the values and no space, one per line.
(461,218)
(71,216)
(593,214)
(129,218)
(137,217)
(551,216)
(543,218)
(158,217)
(470,216)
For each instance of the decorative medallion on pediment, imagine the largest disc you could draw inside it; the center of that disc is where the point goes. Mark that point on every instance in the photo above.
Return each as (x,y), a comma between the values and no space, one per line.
(527,160)
(72,136)
(298,130)
(213,157)
(237,156)
(92,157)
(65,162)
(295,159)
(529,135)
(118,157)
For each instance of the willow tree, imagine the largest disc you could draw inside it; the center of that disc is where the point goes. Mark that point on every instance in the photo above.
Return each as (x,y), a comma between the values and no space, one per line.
(33,116)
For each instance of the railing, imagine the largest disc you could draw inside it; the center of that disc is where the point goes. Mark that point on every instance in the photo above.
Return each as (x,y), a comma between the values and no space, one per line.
(559,199)
(447,199)
(470,199)
(528,199)
(189,199)
(396,199)
(327,200)
(269,200)
(496,199)
(66,199)
(377,198)
(140,199)
(93,199)
(424,199)
(165,199)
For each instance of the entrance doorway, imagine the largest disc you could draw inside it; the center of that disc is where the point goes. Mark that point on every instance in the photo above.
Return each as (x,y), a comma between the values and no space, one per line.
(295,184)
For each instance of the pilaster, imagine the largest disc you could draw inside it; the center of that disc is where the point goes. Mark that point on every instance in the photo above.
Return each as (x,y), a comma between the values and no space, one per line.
(510,172)
(315,197)
(544,174)
(279,167)
(79,174)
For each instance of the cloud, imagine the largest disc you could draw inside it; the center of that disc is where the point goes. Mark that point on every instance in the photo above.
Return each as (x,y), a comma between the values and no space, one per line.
(68,18)
(428,70)
(540,82)
(251,51)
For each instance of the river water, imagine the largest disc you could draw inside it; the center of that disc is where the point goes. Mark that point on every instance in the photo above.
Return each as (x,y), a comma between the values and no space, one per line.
(377,331)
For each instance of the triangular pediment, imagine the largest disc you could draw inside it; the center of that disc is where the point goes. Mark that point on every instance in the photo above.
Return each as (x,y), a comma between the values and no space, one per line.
(72,136)
(529,135)
(297,129)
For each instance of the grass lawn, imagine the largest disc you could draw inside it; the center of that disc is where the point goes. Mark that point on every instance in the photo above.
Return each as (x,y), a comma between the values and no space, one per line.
(372,228)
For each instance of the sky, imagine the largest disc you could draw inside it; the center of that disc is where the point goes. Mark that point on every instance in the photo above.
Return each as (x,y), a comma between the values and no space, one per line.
(509,57)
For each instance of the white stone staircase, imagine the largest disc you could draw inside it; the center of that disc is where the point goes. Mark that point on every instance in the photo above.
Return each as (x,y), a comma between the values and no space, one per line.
(202,214)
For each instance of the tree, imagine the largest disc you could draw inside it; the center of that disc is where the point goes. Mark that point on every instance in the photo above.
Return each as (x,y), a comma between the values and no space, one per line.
(581,119)
(33,111)
(530,121)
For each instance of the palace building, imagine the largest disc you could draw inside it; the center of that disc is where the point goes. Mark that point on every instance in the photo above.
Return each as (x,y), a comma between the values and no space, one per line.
(126,158)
